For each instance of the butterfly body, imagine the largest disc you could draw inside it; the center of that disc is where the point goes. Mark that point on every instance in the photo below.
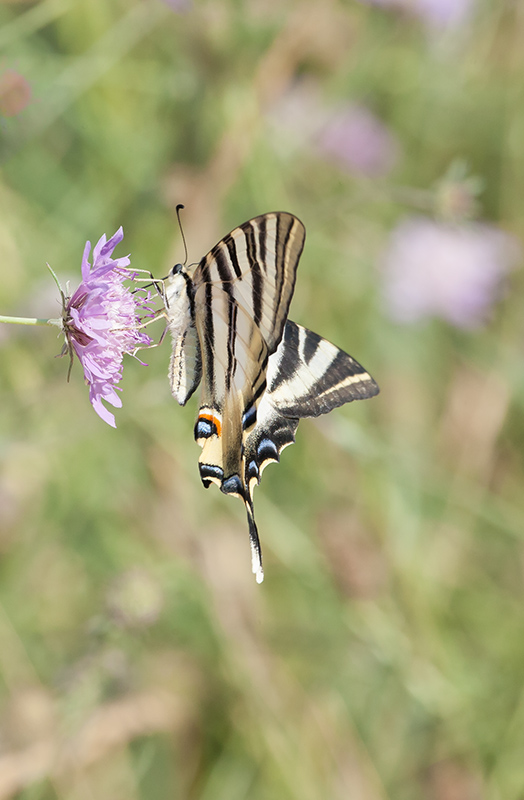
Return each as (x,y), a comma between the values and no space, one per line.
(185,369)
(259,372)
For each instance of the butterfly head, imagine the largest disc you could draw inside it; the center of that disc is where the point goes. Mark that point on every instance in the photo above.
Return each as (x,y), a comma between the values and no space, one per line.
(178,289)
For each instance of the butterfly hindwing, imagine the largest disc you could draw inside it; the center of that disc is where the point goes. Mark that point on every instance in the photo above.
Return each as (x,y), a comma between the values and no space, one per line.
(307,376)
(185,367)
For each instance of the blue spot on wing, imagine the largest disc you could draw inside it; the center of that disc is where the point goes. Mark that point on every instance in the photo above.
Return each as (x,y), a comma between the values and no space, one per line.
(233,485)
(204,428)
(267,449)
(253,471)
(208,471)
(249,417)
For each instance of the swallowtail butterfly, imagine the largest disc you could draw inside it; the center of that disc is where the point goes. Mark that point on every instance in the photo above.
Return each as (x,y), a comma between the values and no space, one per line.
(260,372)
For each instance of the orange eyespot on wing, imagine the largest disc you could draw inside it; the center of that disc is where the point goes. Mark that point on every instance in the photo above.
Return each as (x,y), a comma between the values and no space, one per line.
(207,425)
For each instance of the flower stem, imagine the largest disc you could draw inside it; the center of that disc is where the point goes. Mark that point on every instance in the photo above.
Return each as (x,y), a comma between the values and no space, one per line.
(31,321)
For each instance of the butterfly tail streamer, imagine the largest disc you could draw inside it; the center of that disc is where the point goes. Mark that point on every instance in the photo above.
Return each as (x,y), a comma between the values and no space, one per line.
(256,551)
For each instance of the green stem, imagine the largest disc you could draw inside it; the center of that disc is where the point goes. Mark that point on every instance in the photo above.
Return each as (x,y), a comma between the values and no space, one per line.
(31,321)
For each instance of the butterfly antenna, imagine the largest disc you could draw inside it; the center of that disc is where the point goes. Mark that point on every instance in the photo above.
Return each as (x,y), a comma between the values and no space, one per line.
(256,552)
(178,210)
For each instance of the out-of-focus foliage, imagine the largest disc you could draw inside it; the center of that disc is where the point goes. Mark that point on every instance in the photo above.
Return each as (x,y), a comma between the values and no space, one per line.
(383,656)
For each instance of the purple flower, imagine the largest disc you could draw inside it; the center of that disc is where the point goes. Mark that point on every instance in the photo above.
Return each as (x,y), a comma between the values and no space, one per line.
(180,6)
(348,134)
(100,322)
(435,269)
(444,13)
(437,14)
(354,138)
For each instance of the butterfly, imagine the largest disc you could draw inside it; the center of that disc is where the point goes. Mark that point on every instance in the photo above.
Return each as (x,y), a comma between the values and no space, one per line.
(259,372)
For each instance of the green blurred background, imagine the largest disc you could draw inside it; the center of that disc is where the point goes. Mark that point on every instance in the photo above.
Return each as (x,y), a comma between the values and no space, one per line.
(383,656)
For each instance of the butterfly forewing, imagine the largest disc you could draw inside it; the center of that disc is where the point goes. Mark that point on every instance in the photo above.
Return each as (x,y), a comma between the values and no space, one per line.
(243,288)
(256,265)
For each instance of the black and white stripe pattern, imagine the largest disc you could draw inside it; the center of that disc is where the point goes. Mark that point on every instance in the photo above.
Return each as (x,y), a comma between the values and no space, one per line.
(310,376)
(260,372)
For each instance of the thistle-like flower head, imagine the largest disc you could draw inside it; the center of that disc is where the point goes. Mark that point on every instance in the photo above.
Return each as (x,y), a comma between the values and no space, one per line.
(101,322)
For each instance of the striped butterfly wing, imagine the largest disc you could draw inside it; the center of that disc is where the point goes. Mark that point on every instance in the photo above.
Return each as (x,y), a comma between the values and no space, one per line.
(307,376)
(241,293)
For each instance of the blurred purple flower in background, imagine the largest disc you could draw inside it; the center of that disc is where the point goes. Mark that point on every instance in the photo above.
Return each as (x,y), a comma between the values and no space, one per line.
(349,135)
(354,138)
(444,13)
(15,93)
(438,14)
(180,6)
(435,269)
(100,322)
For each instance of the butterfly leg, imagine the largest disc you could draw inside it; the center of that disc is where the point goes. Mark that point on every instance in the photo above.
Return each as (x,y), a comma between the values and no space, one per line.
(154,344)
(161,313)
(150,281)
